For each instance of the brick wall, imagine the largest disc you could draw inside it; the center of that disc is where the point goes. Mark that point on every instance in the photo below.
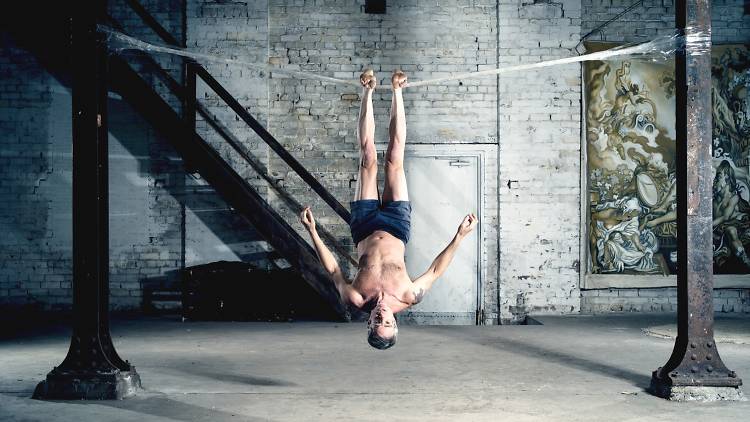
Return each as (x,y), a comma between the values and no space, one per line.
(238,30)
(36,186)
(657,300)
(729,21)
(533,118)
(539,131)
(652,18)
(644,22)
(316,122)
(146,184)
(729,24)
(35,190)
(426,39)
(147,178)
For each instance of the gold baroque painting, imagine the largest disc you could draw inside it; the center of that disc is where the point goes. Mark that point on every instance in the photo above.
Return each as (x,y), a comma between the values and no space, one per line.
(630,146)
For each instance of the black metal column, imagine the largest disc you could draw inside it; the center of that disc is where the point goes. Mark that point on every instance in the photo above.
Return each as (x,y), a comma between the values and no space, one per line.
(92,369)
(695,370)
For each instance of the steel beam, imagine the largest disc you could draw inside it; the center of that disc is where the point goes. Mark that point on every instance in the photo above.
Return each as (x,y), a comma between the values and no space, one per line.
(92,369)
(695,369)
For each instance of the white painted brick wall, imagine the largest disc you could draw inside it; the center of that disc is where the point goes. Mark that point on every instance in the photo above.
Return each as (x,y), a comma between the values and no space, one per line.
(729,24)
(658,300)
(539,134)
(426,39)
(238,30)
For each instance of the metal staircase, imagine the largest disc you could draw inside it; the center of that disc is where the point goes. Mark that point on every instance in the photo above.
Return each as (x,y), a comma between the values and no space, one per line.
(239,194)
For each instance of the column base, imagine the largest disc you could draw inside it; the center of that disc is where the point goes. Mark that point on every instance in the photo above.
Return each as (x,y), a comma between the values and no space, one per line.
(88,385)
(695,393)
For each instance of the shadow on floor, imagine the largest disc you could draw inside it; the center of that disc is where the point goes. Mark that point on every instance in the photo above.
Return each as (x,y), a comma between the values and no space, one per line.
(641,380)
(222,370)
(242,379)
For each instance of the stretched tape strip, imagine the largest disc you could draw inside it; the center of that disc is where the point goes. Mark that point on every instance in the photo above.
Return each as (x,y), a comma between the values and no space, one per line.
(662,48)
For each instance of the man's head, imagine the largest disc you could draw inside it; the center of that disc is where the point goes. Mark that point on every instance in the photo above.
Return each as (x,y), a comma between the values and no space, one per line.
(381,327)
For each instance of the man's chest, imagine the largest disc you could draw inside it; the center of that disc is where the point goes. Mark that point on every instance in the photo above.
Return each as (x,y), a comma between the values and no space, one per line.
(396,285)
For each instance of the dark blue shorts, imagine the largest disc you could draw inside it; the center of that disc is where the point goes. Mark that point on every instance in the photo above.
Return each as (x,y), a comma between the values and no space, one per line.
(369,215)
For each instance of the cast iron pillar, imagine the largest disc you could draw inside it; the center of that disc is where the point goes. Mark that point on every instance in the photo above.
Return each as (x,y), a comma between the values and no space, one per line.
(695,370)
(92,369)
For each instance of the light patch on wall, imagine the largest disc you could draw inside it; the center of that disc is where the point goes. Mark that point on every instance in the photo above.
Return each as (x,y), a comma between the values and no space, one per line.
(222,248)
(541,9)
(135,179)
(447,133)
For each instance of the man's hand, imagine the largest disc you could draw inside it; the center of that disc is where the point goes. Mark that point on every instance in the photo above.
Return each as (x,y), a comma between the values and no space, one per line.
(307,219)
(466,226)
(398,80)
(367,79)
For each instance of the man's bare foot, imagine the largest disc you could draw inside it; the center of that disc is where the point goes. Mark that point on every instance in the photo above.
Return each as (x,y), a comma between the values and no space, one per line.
(367,79)
(398,80)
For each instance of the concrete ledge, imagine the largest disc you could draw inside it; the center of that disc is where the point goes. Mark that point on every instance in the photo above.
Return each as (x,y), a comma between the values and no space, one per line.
(627,281)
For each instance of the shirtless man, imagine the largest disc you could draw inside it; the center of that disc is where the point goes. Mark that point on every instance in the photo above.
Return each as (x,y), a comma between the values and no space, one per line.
(380,230)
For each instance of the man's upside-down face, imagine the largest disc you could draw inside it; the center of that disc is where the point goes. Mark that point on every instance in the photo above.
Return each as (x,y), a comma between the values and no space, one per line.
(381,327)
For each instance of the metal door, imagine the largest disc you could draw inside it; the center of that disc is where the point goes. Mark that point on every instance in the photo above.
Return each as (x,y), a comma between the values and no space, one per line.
(443,189)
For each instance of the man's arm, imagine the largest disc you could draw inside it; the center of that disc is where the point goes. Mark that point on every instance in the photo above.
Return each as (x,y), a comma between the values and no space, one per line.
(366,123)
(423,283)
(397,127)
(326,258)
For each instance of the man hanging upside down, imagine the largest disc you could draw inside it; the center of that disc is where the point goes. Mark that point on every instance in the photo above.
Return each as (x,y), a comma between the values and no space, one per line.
(380,230)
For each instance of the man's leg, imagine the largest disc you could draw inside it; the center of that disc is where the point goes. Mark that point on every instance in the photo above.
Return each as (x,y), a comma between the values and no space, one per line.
(395,179)
(367,186)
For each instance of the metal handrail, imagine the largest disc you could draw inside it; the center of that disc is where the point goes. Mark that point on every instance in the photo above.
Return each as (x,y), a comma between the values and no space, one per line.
(149,20)
(174,86)
(223,132)
(272,142)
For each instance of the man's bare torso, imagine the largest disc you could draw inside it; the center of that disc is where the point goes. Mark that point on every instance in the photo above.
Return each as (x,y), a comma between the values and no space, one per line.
(382,270)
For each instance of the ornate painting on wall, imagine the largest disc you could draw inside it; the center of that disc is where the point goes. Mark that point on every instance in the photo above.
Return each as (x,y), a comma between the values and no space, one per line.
(730,68)
(630,147)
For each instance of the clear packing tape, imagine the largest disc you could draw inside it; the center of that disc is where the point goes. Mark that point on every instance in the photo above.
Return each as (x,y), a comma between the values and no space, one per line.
(694,42)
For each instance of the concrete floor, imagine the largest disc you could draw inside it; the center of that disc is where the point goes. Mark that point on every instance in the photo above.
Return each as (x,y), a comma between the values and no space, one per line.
(569,369)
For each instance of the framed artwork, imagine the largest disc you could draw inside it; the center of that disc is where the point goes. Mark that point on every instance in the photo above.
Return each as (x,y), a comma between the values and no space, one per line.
(630,150)
(629,141)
